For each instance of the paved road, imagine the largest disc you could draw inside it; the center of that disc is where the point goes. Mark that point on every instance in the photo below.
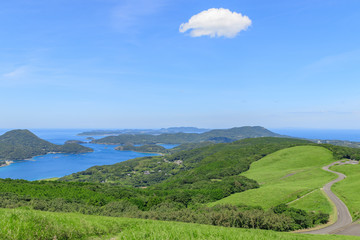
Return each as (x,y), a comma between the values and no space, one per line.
(344,218)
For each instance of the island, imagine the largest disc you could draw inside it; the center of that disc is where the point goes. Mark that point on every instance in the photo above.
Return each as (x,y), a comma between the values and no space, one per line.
(144,131)
(23,144)
(215,136)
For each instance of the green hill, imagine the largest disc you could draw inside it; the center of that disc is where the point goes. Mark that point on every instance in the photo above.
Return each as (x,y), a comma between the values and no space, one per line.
(218,136)
(286,175)
(349,188)
(197,168)
(23,144)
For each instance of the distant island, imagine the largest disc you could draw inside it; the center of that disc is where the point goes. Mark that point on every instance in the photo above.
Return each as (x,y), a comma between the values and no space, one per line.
(23,144)
(215,136)
(144,131)
(147,148)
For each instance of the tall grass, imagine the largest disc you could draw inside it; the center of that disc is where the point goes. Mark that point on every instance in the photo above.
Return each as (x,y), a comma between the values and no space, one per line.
(22,224)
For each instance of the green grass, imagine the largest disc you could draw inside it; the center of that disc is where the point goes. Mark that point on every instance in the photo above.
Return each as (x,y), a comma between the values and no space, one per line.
(21,224)
(284,176)
(348,189)
(314,202)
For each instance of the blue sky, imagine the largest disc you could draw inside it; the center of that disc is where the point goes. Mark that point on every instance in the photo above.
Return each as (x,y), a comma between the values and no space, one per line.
(126,64)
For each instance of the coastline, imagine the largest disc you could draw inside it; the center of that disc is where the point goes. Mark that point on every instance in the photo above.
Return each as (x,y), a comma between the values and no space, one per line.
(7,163)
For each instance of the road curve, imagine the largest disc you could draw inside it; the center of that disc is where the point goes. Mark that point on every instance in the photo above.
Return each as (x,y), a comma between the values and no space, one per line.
(343,215)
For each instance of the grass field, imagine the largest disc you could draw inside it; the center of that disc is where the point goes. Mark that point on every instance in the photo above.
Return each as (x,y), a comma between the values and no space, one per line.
(286,175)
(315,202)
(348,189)
(21,224)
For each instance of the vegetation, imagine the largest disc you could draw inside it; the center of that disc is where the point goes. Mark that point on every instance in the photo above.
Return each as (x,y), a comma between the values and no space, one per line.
(22,224)
(174,205)
(189,180)
(22,144)
(155,148)
(144,131)
(148,148)
(284,176)
(339,143)
(315,201)
(201,168)
(218,136)
(348,189)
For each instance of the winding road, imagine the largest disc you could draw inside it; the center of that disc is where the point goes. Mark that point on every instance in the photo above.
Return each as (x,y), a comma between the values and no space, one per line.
(344,218)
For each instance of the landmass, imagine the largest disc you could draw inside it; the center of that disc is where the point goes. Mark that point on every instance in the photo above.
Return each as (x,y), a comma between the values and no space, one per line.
(144,131)
(215,136)
(23,144)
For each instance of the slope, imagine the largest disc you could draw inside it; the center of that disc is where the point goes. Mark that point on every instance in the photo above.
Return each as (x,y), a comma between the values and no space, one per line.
(349,188)
(284,176)
(23,224)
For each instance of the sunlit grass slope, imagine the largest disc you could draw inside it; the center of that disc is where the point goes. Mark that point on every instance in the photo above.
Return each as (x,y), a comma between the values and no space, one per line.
(316,201)
(348,189)
(20,224)
(284,176)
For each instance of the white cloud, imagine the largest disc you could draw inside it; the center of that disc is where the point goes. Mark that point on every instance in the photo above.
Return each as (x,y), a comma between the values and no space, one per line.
(216,22)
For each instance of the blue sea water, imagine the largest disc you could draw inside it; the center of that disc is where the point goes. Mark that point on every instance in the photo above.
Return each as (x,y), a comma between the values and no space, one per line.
(59,165)
(323,134)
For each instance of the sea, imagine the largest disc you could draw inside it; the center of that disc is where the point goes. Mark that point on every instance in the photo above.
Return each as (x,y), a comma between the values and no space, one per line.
(59,165)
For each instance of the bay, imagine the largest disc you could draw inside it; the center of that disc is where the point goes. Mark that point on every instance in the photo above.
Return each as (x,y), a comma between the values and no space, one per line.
(59,165)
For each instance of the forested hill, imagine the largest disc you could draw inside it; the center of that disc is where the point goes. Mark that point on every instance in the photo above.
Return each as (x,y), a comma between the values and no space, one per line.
(217,136)
(196,168)
(23,144)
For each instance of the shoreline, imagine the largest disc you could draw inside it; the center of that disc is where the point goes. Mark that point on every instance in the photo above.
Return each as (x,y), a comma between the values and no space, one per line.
(7,163)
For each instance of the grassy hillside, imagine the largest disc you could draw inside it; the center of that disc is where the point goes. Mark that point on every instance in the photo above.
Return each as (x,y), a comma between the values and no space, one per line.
(348,189)
(21,224)
(284,176)
(23,144)
(315,201)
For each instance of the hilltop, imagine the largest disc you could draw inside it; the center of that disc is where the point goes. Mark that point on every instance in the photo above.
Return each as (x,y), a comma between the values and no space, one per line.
(216,136)
(23,144)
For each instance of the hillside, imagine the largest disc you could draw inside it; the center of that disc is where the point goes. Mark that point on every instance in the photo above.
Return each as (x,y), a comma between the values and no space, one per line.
(217,136)
(23,144)
(189,167)
(286,175)
(33,225)
(349,188)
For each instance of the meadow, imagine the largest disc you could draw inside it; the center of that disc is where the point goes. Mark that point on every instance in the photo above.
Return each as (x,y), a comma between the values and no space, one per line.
(285,176)
(23,224)
(348,189)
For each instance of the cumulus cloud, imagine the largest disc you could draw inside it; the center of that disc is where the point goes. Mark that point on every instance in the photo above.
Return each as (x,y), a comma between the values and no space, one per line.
(216,22)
